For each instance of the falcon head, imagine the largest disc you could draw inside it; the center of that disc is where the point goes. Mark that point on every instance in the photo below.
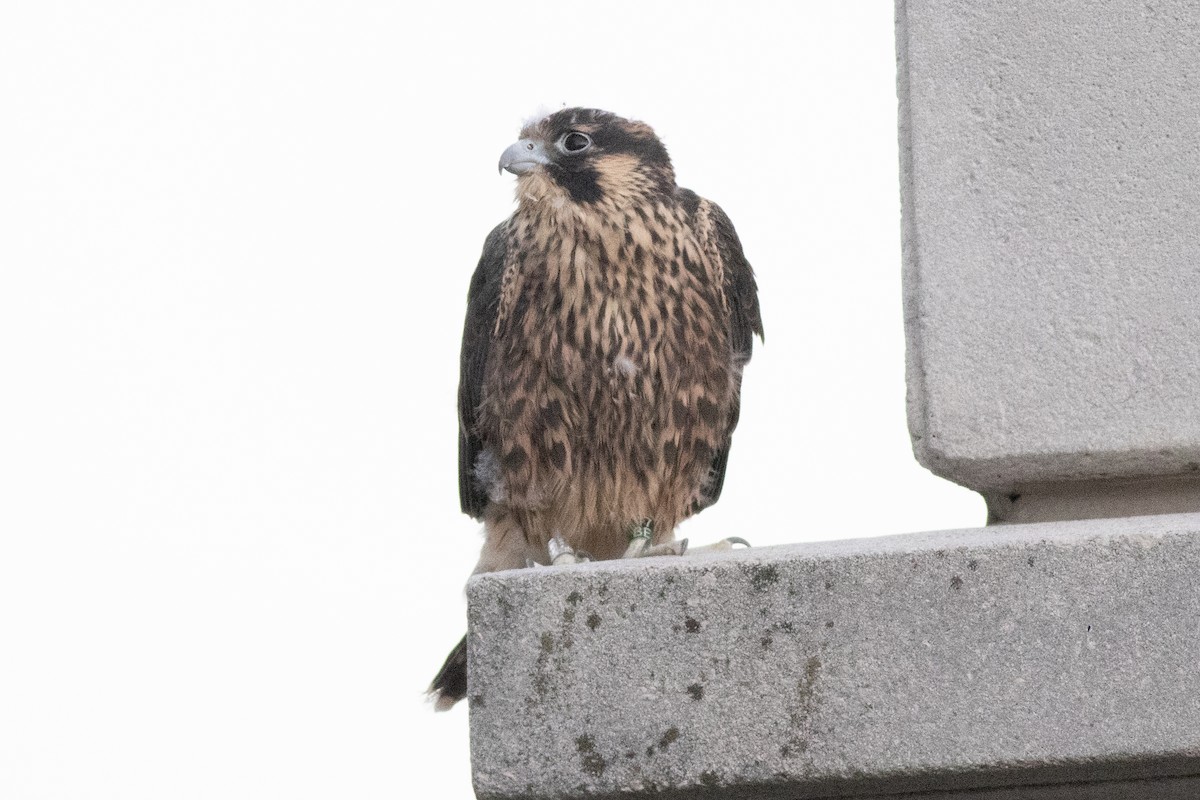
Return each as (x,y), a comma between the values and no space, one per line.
(589,156)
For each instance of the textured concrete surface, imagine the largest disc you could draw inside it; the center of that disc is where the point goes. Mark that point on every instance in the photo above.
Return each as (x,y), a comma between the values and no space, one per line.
(1050,159)
(1115,497)
(1032,661)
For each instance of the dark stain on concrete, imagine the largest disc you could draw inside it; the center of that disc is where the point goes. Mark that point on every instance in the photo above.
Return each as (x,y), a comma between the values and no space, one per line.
(574,597)
(550,668)
(710,779)
(763,576)
(669,737)
(696,690)
(692,625)
(956,583)
(593,620)
(590,761)
(541,681)
(805,706)
(784,626)
(972,565)
(808,684)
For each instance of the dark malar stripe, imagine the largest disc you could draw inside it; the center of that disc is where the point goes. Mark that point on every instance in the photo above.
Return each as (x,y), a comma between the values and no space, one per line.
(582,184)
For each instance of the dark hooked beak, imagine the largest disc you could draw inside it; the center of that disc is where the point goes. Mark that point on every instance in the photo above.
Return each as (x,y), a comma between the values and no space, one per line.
(523,156)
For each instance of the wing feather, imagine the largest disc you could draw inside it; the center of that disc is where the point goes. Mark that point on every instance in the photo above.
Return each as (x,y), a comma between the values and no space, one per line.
(745,321)
(483,299)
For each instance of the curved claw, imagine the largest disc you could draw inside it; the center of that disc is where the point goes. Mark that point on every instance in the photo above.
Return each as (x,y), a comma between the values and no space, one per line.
(722,545)
(667,549)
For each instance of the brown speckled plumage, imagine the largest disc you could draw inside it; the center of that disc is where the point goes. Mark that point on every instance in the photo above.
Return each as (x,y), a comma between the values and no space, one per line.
(608,323)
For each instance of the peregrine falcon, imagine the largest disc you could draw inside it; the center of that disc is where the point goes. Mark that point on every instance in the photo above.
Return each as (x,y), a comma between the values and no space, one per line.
(608,323)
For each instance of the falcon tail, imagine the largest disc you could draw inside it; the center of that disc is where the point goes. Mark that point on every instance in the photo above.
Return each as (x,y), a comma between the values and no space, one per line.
(450,685)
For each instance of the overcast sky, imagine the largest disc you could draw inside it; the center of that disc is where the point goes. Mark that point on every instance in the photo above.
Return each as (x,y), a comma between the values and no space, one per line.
(235,242)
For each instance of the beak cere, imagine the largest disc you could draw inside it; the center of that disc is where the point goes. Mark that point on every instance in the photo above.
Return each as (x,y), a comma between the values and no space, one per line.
(523,156)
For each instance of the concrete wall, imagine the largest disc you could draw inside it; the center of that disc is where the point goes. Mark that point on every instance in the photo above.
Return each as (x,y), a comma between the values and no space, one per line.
(1051,195)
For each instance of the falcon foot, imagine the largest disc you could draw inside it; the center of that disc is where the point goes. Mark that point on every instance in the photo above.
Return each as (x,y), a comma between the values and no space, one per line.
(676,548)
(563,553)
(560,553)
(718,546)
(642,533)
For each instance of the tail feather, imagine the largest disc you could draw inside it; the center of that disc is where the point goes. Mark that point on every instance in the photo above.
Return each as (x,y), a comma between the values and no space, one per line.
(450,685)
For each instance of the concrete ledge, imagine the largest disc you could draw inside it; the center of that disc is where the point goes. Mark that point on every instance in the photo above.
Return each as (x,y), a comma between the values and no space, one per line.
(1022,661)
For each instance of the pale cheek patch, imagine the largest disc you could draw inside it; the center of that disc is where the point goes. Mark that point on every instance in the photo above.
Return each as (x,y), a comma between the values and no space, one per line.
(620,176)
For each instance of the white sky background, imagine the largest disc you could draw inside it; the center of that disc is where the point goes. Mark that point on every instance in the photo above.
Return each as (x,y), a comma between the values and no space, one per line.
(235,242)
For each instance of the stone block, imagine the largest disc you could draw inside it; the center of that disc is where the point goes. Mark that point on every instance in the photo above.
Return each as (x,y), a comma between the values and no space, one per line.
(1050,160)
(1022,661)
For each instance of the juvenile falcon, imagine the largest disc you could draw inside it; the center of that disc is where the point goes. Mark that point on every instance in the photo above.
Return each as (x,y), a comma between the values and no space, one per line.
(608,322)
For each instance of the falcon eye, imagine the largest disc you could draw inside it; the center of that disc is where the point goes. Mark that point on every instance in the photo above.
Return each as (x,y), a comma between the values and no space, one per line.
(574,142)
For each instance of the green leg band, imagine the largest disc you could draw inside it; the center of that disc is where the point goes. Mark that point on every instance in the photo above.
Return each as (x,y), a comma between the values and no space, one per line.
(642,530)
